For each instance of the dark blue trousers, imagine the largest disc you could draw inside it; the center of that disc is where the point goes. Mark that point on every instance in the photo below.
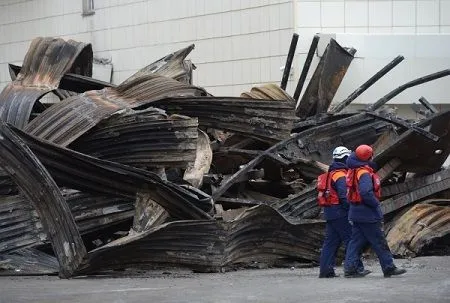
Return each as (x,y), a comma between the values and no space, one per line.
(338,231)
(372,233)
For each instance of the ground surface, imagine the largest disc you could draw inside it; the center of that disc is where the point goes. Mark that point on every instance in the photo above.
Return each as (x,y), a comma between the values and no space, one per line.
(427,280)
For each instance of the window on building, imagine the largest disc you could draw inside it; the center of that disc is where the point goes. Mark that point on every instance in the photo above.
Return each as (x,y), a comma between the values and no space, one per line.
(88,7)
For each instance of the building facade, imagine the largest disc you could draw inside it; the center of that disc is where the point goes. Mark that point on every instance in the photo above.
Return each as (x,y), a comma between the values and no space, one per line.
(242,43)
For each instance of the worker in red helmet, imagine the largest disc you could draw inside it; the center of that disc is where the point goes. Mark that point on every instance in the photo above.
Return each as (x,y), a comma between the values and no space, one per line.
(365,215)
(332,196)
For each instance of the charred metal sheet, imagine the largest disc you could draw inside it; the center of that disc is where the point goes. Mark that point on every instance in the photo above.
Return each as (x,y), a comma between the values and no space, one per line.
(40,189)
(423,228)
(415,183)
(45,63)
(67,120)
(304,124)
(148,213)
(82,172)
(172,66)
(7,185)
(318,142)
(267,92)
(325,81)
(72,83)
(93,213)
(415,190)
(302,205)
(428,155)
(144,139)
(263,119)
(19,224)
(259,234)
(28,261)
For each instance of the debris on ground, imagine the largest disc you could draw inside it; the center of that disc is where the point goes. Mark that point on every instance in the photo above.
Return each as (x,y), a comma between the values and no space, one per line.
(156,172)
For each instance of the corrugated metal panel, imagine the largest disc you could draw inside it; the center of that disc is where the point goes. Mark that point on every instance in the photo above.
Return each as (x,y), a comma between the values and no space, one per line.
(173,66)
(267,120)
(419,229)
(92,175)
(259,234)
(66,121)
(39,188)
(145,139)
(20,224)
(45,63)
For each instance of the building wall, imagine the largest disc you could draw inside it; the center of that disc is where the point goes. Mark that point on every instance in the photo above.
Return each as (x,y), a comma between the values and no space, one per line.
(241,43)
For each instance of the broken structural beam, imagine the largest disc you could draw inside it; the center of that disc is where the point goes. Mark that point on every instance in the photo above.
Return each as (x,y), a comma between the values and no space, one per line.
(405,124)
(39,187)
(236,176)
(366,85)
(290,57)
(409,84)
(306,66)
(325,81)
(428,105)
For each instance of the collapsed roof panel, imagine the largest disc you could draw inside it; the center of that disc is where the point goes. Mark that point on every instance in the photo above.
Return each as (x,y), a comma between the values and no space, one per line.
(258,234)
(40,189)
(45,63)
(145,139)
(263,119)
(67,120)
(85,173)
(419,230)
(418,153)
(172,66)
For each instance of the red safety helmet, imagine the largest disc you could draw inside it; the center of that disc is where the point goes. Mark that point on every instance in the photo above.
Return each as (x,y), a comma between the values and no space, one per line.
(364,152)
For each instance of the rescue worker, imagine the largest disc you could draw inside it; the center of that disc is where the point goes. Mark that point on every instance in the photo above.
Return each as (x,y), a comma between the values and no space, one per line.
(333,197)
(365,215)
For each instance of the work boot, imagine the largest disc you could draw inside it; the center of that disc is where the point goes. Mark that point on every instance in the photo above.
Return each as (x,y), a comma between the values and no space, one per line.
(329,275)
(364,272)
(394,271)
(357,274)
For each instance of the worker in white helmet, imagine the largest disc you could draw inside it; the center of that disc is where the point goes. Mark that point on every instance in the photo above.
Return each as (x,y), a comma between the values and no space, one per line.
(332,196)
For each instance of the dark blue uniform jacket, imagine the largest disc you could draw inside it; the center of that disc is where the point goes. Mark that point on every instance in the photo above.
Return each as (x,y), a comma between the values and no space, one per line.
(341,210)
(369,211)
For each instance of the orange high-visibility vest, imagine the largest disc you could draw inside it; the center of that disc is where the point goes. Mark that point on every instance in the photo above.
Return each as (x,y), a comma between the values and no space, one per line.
(327,195)
(352,180)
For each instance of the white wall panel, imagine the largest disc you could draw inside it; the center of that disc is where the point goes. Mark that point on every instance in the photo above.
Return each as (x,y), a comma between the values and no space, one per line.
(242,42)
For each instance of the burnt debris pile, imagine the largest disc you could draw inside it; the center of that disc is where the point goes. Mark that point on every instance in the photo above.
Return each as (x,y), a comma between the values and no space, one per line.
(156,172)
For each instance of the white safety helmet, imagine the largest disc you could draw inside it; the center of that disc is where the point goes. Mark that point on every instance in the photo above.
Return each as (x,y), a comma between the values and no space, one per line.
(340,152)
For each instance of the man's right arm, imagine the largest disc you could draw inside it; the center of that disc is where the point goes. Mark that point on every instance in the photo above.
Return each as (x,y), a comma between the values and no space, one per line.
(366,191)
